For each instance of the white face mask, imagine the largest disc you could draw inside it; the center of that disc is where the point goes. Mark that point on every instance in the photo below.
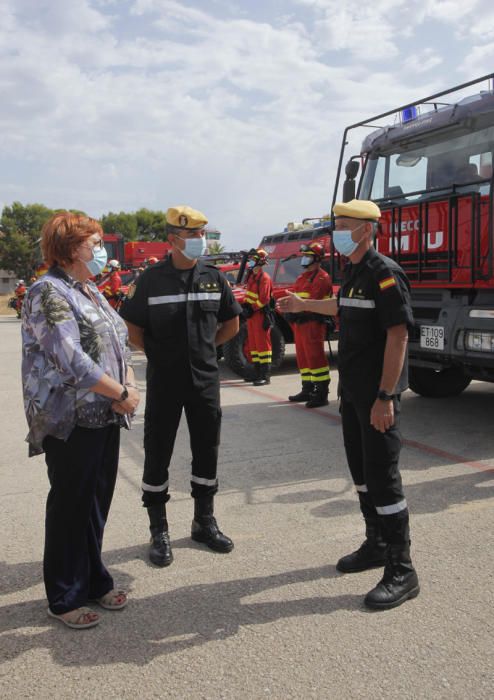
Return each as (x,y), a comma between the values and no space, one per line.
(306,260)
(343,241)
(194,247)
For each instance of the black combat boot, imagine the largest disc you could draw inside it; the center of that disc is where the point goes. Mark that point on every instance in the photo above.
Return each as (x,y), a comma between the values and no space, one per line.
(160,551)
(370,555)
(305,394)
(264,375)
(319,396)
(205,528)
(399,583)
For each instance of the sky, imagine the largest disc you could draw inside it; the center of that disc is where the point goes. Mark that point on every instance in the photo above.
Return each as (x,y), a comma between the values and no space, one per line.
(236,108)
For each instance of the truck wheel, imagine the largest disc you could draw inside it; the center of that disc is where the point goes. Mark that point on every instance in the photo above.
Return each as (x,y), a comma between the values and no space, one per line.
(438,384)
(278,343)
(236,359)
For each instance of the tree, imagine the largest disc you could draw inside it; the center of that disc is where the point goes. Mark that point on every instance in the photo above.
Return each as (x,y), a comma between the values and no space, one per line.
(123,222)
(150,225)
(20,229)
(215,248)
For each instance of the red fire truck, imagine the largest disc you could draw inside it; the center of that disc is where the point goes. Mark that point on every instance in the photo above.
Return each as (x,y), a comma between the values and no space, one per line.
(133,254)
(283,268)
(429,168)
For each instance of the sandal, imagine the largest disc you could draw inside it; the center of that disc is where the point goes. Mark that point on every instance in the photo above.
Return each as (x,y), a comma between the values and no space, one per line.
(78,619)
(113,600)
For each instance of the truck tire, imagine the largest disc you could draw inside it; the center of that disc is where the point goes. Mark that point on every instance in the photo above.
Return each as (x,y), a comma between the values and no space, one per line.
(236,360)
(438,384)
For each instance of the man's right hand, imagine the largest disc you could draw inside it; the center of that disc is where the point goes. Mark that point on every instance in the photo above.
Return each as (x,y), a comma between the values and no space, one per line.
(290,304)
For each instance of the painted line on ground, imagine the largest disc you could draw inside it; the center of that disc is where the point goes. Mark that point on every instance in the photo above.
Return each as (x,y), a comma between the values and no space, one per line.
(413,444)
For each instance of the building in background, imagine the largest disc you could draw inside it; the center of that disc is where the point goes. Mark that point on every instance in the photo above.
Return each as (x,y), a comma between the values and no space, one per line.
(7,282)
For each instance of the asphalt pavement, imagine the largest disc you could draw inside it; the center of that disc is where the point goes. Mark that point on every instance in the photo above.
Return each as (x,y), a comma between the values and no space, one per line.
(273,619)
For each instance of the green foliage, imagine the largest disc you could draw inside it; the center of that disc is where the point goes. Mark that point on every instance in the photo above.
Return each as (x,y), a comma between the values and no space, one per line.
(20,229)
(150,225)
(142,225)
(21,224)
(215,248)
(123,223)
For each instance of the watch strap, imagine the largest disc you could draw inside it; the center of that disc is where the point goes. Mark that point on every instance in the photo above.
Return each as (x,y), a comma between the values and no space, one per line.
(384,396)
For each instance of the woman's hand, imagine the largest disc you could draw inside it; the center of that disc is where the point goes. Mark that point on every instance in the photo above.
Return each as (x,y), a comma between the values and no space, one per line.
(127,407)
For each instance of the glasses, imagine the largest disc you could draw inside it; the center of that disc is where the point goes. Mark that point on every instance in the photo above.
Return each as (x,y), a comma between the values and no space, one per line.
(97,245)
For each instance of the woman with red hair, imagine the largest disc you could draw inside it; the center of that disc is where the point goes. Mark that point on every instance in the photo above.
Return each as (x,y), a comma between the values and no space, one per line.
(79,390)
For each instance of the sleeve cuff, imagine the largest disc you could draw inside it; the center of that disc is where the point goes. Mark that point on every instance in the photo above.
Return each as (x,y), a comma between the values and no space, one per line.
(91,378)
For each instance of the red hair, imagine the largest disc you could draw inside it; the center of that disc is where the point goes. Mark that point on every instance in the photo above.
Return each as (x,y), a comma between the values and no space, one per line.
(63,234)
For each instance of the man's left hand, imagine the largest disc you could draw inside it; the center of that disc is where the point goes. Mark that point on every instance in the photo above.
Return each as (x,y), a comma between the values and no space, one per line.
(382,415)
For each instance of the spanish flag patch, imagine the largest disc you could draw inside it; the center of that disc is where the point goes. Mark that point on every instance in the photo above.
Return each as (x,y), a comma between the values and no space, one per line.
(386,283)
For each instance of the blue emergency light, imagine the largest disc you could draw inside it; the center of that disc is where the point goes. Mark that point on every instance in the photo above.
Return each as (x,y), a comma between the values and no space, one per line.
(409,114)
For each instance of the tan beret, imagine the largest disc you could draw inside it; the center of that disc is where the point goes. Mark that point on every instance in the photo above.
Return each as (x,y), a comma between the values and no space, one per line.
(357,209)
(185,217)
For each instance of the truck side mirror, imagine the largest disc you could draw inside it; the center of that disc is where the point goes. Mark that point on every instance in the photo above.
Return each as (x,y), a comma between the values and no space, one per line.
(351,172)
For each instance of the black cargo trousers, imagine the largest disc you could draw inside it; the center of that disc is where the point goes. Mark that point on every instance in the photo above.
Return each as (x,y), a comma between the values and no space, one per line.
(167,396)
(373,461)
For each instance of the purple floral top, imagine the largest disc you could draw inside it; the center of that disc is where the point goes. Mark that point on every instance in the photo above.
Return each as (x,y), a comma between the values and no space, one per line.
(68,343)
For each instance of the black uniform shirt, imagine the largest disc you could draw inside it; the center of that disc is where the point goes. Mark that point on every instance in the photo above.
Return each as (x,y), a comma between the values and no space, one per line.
(374,296)
(179,311)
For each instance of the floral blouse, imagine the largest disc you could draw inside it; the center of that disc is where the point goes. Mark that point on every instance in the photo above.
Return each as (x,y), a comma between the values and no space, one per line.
(68,343)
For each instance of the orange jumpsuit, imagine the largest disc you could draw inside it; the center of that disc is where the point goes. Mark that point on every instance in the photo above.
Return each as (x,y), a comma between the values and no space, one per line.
(20,293)
(258,294)
(310,335)
(112,287)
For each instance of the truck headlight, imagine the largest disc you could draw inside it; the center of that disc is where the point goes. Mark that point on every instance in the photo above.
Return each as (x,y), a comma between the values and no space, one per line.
(479,341)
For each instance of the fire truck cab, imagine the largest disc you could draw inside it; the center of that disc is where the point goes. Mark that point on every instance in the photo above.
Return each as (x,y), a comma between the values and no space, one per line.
(429,167)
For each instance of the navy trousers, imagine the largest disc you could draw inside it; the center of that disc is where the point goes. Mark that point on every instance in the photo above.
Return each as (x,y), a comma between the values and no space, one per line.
(165,402)
(373,460)
(82,472)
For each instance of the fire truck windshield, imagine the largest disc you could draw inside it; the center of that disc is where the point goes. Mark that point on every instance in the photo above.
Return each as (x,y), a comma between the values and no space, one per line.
(288,271)
(429,165)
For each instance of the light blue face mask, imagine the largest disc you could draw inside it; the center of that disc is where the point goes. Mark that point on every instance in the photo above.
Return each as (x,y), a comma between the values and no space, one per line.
(344,243)
(251,264)
(194,247)
(98,262)
(306,260)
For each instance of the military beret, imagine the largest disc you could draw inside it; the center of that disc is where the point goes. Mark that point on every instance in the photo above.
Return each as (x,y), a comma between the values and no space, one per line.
(358,209)
(185,217)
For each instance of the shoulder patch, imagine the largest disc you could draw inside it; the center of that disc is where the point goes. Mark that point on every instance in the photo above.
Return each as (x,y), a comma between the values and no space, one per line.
(386,283)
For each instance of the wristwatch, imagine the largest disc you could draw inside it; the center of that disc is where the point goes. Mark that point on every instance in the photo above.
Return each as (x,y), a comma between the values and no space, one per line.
(123,395)
(384,396)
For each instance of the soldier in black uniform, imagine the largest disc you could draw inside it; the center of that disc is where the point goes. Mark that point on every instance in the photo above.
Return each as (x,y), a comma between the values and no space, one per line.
(179,311)
(375,314)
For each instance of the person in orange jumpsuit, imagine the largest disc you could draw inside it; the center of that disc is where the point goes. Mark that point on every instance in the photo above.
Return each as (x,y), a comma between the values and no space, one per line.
(309,330)
(257,306)
(113,284)
(20,293)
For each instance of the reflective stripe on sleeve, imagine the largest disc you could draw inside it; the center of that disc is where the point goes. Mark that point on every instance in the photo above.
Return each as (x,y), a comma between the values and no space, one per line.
(393,508)
(361,488)
(203,296)
(357,303)
(203,482)
(154,489)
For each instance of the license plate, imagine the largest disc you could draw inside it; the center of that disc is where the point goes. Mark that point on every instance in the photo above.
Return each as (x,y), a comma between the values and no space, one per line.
(432,337)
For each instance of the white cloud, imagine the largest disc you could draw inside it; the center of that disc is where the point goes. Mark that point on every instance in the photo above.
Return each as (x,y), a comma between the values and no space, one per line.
(104,109)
